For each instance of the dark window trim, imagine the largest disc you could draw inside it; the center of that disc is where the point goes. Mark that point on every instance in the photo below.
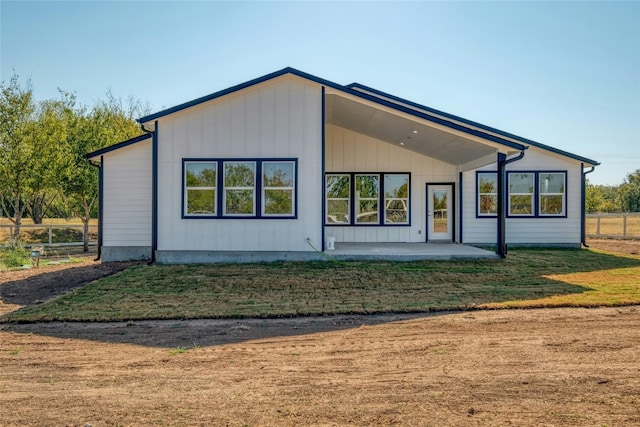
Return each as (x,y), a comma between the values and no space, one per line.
(220,187)
(536,194)
(352,208)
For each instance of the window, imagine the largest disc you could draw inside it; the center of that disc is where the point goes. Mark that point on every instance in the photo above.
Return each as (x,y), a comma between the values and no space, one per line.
(521,189)
(530,194)
(487,193)
(338,189)
(551,199)
(396,198)
(367,198)
(200,194)
(278,188)
(242,189)
(239,188)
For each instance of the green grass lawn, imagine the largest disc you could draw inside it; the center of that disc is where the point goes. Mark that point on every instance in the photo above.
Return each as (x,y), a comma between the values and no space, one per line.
(527,278)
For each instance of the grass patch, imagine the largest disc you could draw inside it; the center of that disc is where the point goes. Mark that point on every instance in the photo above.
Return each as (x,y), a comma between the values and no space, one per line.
(527,278)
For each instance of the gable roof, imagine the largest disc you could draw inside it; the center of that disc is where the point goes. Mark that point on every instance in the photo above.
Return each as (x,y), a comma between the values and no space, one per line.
(117,146)
(382,98)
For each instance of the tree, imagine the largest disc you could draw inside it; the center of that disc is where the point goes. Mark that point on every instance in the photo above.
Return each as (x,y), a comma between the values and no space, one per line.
(629,193)
(108,123)
(600,198)
(16,149)
(51,161)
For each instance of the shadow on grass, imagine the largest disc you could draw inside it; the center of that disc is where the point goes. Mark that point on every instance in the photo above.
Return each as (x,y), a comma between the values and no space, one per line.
(40,287)
(437,287)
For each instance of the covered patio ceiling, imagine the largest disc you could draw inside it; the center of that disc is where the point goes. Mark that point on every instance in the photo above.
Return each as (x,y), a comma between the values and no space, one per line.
(412,133)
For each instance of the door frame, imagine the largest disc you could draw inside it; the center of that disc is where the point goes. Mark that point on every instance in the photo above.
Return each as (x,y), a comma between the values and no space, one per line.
(453,208)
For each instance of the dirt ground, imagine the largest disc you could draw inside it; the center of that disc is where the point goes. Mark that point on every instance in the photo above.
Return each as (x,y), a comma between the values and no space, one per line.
(576,367)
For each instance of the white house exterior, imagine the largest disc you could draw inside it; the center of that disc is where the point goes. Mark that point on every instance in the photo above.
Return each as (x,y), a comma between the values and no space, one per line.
(269,169)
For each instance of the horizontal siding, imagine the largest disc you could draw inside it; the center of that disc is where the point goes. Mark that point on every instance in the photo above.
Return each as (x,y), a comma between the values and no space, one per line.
(527,230)
(278,119)
(127,196)
(348,151)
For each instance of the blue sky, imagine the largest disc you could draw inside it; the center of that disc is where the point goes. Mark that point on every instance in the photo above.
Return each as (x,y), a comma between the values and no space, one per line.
(566,74)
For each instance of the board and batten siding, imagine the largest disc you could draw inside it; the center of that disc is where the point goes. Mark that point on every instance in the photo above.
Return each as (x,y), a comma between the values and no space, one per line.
(534,231)
(281,118)
(127,193)
(348,151)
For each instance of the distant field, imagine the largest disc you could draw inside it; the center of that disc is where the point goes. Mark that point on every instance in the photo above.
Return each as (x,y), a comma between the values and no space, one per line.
(613,225)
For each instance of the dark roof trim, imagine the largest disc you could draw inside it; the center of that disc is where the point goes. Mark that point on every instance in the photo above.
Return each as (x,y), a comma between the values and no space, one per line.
(341,88)
(374,95)
(358,86)
(118,146)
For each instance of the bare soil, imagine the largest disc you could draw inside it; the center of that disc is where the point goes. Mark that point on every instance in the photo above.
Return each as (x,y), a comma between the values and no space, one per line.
(573,366)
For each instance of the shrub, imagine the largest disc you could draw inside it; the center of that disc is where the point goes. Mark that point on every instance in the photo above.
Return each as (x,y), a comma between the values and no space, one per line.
(14,255)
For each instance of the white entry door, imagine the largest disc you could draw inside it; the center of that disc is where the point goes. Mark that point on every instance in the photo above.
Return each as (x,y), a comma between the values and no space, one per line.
(440,216)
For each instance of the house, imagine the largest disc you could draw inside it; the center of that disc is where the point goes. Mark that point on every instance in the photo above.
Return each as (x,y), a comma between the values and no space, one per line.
(273,168)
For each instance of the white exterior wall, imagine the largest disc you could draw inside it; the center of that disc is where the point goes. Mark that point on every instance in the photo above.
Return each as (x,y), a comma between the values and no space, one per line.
(126,216)
(527,230)
(280,118)
(348,151)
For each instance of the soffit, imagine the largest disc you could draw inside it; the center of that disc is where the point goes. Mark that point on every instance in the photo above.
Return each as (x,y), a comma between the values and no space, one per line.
(410,133)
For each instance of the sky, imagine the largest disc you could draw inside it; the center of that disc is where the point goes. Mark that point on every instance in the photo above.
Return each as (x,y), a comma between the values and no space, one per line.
(565,74)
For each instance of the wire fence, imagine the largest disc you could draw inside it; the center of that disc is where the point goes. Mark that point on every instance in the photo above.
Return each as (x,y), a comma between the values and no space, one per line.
(613,226)
(49,234)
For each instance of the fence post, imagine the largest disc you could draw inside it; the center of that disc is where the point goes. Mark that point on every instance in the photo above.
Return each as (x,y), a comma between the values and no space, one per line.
(598,225)
(50,235)
(624,225)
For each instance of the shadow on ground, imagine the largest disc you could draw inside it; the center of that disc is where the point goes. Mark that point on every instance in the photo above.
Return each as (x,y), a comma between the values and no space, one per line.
(208,332)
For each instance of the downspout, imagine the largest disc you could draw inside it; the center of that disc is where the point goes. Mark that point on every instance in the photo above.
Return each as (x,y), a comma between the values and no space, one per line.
(583,219)
(100,167)
(154,190)
(323,146)
(501,245)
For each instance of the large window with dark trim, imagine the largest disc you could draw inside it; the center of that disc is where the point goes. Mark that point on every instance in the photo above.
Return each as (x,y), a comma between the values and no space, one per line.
(367,198)
(521,193)
(551,193)
(239,188)
(200,188)
(529,194)
(487,193)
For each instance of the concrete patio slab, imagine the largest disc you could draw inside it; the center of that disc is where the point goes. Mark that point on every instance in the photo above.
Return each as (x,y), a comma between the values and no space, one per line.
(407,252)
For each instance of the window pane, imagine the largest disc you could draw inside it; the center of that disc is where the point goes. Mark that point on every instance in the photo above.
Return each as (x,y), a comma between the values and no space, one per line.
(278,202)
(551,183)
(396,204)
(488,204)
(520,205)
(201,202)
(521,183)
(277,174)
(367,186)
(487,183)
(367,211)
(338,186)
(201,174)
(239,174)
(396,211)
(337,211)
(551,205)
(239,202)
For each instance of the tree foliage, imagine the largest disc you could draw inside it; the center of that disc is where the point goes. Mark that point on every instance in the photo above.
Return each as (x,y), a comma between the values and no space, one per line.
(629,193)
(43,147)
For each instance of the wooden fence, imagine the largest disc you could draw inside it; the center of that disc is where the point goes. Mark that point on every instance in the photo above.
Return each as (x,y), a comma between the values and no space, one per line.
(51,234)
(614,226)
